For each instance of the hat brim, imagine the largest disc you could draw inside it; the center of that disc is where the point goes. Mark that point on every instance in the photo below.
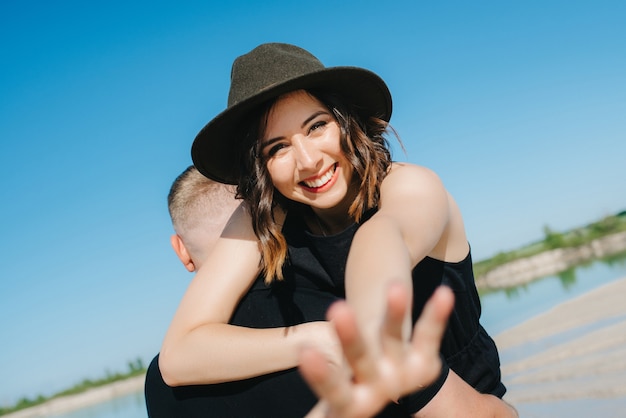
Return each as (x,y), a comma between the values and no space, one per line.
(214,150)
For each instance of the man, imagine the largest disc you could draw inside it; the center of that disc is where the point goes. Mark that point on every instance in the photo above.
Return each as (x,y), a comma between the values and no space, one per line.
(200,208)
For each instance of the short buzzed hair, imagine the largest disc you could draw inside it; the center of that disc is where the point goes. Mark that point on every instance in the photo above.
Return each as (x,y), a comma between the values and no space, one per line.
(199,208)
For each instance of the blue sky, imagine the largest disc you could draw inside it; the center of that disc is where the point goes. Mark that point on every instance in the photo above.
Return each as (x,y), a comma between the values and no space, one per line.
(518,106)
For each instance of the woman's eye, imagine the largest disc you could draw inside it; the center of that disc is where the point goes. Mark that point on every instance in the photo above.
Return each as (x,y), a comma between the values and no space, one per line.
(317,125)
(274,149)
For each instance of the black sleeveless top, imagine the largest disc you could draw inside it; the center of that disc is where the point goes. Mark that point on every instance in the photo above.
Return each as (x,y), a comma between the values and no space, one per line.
(314,279)
(318,263)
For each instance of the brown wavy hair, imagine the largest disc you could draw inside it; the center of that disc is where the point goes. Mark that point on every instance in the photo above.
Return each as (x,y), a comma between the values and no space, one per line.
(363,142)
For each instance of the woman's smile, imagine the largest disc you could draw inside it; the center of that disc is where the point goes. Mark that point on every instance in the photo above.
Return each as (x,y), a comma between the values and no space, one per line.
(321,183)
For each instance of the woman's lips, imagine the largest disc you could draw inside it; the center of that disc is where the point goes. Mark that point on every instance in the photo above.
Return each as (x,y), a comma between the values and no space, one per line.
(321,180)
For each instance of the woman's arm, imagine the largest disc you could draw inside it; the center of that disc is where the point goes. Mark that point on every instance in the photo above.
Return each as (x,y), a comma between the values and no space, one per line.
(401,365)
(412,222)
(376,380)
(200,347)
(417,218)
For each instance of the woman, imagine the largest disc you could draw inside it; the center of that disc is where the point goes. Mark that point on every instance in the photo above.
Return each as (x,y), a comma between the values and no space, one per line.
(305,145)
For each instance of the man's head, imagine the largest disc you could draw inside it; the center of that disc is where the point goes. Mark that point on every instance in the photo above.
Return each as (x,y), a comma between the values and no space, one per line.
(199,208)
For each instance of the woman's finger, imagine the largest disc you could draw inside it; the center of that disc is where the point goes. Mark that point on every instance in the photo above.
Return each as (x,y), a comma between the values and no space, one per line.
(355,350)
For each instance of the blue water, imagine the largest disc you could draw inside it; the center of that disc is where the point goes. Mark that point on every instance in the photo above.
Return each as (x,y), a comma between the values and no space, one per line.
(129,406)
(501,310)
(505,308)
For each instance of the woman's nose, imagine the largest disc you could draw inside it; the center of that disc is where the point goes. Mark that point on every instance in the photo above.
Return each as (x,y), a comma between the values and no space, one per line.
(307,156)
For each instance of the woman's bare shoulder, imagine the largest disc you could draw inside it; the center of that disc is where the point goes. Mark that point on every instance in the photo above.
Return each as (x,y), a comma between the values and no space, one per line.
(412,176)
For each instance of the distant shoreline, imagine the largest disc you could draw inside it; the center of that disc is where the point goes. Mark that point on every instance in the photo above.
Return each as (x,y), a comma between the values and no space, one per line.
(90,397)
(525,270)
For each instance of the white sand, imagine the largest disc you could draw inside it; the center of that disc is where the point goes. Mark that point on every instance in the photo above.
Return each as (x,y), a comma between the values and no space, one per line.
(575,351)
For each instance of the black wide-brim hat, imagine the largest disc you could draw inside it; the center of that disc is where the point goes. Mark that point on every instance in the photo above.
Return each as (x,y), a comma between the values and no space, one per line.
(267,72)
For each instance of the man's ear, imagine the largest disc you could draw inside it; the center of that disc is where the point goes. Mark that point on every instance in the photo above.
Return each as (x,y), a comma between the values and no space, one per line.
(182,253)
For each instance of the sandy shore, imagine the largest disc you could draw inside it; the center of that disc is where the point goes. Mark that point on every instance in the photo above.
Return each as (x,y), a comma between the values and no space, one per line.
(81,400)
(571,360)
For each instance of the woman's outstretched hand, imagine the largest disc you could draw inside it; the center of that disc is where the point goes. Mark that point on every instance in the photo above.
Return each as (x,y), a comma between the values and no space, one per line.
(381,374)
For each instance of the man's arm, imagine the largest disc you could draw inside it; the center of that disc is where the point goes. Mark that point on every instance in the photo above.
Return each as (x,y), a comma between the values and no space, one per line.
(457,398)
(201,347)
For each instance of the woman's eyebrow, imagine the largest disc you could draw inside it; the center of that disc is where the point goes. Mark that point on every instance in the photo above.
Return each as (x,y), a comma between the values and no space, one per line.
(269,142)
(313,116)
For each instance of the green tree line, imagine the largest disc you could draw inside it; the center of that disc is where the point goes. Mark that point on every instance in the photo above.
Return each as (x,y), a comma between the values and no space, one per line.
(135,368)
(553,239)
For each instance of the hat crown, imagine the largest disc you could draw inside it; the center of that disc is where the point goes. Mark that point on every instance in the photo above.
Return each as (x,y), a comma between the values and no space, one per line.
(268,65)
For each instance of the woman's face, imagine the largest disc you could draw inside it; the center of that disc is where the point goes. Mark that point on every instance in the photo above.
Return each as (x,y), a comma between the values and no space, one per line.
(303,153)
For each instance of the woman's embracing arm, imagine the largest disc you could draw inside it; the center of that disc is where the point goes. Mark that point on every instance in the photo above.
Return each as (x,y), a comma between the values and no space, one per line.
(200,347)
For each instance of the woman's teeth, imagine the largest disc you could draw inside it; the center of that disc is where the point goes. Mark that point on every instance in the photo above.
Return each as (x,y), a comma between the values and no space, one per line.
(319,182)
